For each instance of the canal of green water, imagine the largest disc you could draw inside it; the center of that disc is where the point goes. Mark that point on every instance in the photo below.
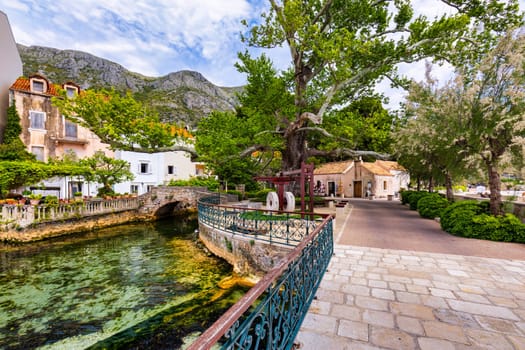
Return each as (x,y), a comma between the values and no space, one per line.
(140,286)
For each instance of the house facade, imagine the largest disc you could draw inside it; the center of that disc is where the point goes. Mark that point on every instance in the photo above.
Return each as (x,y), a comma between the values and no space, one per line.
(359,179)
(10,69)
(155,169)
(48,134)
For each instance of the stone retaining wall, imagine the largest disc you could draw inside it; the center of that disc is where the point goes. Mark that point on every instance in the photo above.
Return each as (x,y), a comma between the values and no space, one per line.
(247,255)
(59,228)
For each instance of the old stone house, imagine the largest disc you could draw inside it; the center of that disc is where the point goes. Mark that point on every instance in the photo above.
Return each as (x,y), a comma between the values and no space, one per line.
(360,179)
(48,134)
(334,179)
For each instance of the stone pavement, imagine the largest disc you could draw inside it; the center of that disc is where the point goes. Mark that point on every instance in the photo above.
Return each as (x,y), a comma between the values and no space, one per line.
(374,298)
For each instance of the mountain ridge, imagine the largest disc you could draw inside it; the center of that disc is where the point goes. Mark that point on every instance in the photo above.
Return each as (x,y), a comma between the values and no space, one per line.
(183,97)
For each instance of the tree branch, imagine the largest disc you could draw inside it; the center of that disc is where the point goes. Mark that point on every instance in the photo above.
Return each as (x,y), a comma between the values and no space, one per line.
(347,152)
(248,151)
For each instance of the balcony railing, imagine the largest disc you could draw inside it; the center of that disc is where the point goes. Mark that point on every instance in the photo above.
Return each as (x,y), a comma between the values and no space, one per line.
(20,216)
(270,314)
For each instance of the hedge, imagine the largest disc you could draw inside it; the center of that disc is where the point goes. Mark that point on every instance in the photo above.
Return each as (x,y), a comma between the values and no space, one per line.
(472,219)
(431,205)
(415,197)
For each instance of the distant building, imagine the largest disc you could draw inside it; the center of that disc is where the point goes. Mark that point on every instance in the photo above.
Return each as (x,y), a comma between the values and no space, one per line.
(360,179)
(10,69)
(48,134)
(334,179)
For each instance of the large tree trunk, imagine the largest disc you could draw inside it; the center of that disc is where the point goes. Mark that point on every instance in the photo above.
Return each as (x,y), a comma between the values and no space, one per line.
(295,151)
(496,207)
(448,186)
(431,184)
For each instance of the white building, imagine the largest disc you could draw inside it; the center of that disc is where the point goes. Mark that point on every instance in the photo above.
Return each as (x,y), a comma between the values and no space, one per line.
(10,69)
(155,169)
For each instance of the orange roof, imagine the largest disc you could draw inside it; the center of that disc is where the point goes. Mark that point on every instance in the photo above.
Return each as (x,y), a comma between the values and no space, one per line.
(334,168)
(389,165)
(376,169)
(23,84)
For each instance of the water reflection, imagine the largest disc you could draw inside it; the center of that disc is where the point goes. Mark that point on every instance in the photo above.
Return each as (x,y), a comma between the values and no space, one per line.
(109,289)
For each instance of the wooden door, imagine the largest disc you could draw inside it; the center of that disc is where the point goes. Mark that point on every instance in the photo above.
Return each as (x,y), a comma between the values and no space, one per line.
(358,189)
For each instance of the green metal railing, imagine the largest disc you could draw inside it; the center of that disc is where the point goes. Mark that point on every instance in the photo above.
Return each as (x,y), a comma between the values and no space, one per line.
(287,228)
(269,316)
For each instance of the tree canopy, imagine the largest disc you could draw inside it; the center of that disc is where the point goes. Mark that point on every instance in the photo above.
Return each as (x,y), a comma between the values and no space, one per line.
(121,121)
(106,171)
(479,117)
(338,51)
(14,174)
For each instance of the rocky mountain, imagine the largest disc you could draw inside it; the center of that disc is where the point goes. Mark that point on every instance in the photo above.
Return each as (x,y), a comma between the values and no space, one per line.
(182,97)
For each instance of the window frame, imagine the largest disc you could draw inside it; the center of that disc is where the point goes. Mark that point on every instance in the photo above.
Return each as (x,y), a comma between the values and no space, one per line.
(68,125)
(148,167)
(42,157)
(32,119)
(39,83)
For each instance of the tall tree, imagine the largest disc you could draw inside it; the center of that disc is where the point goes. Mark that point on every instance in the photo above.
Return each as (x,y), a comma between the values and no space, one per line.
(340,49)
(477,117)
(427,144)
(12,147)
(494,94)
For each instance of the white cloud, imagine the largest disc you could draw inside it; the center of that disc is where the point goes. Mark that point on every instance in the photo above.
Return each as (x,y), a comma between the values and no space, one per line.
(153,37)
(156,37)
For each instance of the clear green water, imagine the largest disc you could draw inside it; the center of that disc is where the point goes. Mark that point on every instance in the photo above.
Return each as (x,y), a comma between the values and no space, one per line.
(133,286)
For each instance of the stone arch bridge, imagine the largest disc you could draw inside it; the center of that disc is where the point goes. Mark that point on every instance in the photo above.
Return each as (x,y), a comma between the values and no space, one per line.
(163,201)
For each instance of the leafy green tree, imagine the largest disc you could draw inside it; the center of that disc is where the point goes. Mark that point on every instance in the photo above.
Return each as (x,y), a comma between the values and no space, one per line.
(14,174)
(220,138)
(106,171)
(427,142)
(363,125)
(121,121)
(340,49)
(12,147)
(477,118)
(493,94)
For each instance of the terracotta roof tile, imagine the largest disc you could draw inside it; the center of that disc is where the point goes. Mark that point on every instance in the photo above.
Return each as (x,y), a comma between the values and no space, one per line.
(23,84)
(376,169)
(390,165)
(333,168)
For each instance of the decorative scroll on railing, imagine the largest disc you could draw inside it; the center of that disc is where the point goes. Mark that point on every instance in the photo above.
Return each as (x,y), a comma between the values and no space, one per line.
(20,216)
(265,225)
(281,299)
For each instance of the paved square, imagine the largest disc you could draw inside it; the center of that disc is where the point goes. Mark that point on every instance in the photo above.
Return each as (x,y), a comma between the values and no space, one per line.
(397,299)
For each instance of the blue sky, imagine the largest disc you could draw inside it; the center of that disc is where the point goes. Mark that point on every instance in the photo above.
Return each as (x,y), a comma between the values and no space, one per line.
(157,37)
(153,37)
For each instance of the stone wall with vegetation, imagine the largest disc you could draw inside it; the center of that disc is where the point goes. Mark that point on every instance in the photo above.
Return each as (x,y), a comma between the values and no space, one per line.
(247,255)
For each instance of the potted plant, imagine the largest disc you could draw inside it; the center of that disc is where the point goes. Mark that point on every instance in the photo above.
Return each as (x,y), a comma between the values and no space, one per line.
(78,196)
(35,198)
(51,201)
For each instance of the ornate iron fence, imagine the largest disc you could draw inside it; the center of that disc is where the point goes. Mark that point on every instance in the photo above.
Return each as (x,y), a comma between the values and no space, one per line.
(279,301)
(288,228)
